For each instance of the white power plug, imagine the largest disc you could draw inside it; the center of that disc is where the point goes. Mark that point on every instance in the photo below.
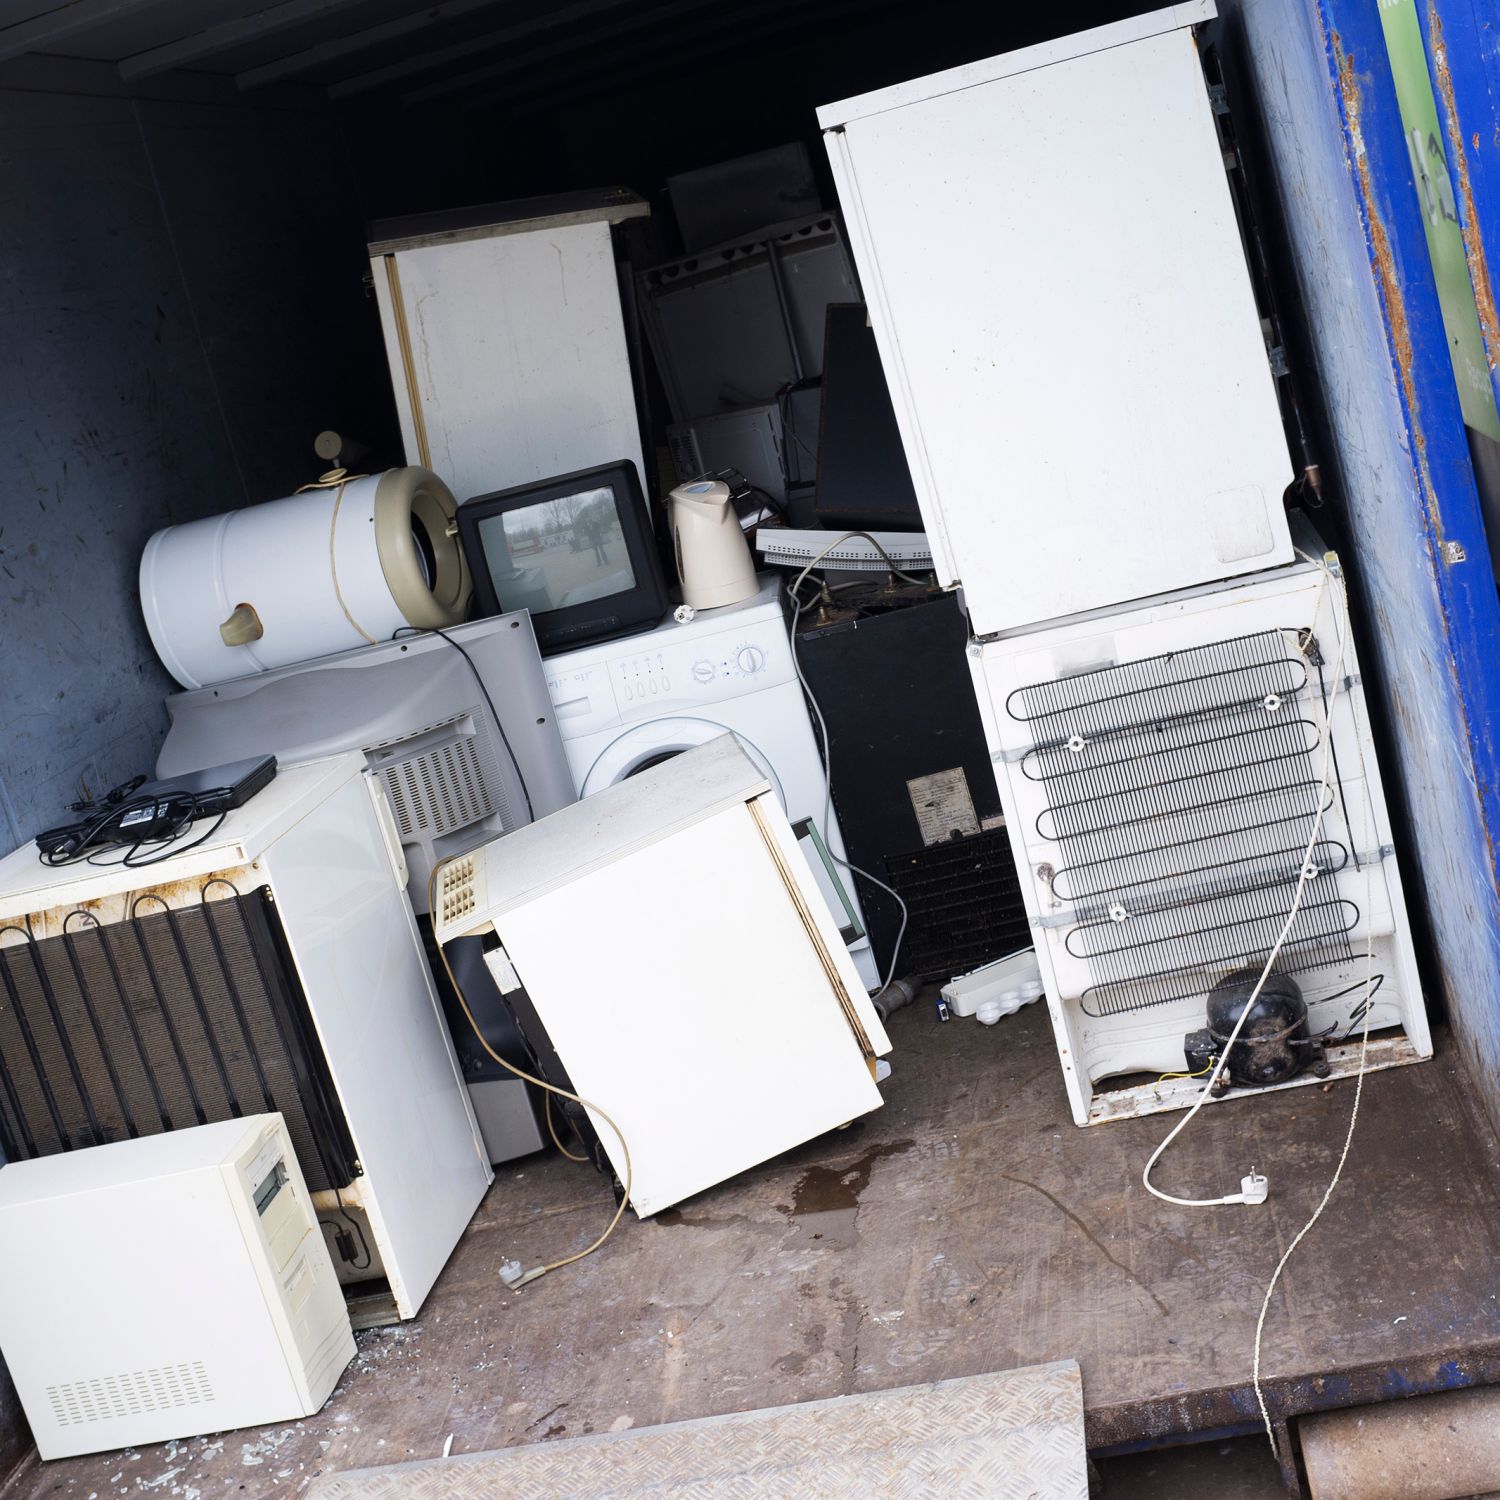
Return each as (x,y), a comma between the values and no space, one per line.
(1253,1189)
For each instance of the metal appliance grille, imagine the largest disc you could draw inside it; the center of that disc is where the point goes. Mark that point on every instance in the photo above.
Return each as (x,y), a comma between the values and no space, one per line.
(173,1018)
(436,780)
(963,904)
(687,458)
(1180,791)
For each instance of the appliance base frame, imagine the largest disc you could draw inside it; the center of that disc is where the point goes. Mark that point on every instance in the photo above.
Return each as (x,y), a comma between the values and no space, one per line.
(1178,1093)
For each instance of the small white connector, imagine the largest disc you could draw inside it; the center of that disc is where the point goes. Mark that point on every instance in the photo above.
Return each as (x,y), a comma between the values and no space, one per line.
(515,1278)
(1253,1189)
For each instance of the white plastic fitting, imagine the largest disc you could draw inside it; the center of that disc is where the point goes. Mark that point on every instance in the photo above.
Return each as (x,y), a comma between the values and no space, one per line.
(997,989)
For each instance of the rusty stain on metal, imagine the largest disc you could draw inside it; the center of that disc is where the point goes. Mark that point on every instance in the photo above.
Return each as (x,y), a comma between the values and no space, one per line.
(1384,263)
(158,896)
(1384,260)
(1479,272)
(1229,1408)
(1386,272)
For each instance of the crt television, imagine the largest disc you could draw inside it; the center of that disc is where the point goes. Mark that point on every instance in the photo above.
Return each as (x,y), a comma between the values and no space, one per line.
(577,551)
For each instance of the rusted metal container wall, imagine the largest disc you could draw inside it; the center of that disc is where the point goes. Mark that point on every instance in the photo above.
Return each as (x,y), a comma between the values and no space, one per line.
(1400,465)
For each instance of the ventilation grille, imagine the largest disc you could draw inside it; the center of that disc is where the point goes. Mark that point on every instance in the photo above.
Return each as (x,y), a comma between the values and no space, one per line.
(682,443)
(173,1018)
(963,904)
(438,788)
(1180,792)
(103,1398)
(456,898)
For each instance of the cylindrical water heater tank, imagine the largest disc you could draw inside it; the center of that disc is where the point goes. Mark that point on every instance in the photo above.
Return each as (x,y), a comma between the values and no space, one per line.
(341,564)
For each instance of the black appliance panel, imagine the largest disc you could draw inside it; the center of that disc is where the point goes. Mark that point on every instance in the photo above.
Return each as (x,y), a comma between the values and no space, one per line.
(176,1017)
(896,692)
(863,476)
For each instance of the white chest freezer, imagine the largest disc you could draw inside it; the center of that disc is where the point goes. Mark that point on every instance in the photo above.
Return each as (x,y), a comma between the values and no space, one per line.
(1060,297)
(275,966)
(167,1286)
(675,945)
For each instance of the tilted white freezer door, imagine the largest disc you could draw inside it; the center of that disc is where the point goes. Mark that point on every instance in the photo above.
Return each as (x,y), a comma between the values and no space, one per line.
(1061,302)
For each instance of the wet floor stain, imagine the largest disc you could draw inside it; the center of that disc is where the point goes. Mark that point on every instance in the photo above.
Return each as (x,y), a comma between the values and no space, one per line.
(825,1201)
(822,1190)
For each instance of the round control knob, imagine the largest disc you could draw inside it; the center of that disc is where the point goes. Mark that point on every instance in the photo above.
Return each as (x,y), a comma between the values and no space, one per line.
(750,660)
(703,671)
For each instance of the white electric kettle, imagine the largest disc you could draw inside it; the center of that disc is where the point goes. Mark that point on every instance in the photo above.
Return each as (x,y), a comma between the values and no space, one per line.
(713,557)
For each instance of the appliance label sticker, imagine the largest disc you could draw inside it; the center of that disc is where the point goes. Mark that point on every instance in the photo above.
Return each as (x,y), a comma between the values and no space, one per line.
(943,805)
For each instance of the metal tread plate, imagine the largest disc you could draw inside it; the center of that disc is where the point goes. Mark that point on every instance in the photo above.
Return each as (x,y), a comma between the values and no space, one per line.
(1017,1435)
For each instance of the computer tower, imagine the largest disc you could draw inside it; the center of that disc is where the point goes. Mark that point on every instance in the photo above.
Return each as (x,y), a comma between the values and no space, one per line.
(167,1286)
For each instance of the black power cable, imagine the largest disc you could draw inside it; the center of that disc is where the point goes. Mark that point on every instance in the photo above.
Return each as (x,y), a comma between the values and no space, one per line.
(135,831)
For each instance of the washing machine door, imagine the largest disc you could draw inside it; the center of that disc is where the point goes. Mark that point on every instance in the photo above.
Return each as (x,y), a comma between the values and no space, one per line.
(648,744)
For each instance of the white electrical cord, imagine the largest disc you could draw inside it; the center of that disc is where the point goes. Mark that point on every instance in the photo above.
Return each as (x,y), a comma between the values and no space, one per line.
(1253,1187)
(1359,1089)
(797,608)
(1333,1182)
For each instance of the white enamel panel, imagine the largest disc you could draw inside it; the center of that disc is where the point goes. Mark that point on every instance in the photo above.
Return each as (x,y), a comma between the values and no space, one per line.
(1061,302)
(517,356)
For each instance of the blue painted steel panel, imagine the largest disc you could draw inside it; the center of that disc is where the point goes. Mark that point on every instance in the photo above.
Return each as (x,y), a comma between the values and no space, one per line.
(1424,586)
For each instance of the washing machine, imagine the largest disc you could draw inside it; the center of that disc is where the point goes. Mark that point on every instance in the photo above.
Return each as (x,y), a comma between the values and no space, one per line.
(624,705)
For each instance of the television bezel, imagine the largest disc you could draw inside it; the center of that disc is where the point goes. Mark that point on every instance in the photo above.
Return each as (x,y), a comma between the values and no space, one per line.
(608,618)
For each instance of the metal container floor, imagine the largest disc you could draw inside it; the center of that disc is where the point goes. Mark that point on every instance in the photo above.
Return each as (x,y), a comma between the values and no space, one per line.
(965,1228)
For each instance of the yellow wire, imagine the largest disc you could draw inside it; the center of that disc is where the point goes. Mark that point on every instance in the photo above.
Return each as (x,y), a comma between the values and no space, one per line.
(1199,1074)
(541,1083)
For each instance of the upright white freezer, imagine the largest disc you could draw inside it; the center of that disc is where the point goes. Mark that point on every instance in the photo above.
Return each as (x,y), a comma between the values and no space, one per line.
(1160,767)
(506,339)
(1060,298)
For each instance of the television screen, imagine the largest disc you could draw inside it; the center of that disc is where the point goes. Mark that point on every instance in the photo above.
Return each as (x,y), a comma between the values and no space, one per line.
(567,550)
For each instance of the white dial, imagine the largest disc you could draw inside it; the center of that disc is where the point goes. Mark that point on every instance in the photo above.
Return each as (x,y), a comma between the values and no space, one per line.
(750,660)
(703,670)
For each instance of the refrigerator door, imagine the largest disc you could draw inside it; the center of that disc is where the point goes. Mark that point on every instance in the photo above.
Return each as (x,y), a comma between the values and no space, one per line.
(1060,297)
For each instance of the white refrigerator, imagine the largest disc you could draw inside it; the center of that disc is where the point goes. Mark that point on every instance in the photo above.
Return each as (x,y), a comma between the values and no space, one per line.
(674,944)
(506,338)
(1061,301)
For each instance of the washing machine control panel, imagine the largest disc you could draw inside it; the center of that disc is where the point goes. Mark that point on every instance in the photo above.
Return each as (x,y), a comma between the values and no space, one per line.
(668,671)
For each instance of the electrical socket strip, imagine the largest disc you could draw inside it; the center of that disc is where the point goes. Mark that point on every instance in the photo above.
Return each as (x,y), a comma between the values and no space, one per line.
(792,548)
